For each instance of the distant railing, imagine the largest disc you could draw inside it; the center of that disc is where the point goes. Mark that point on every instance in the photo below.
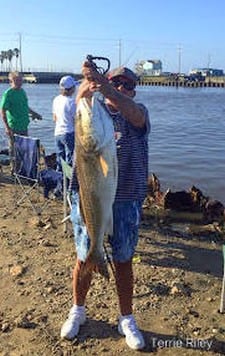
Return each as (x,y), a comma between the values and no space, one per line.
(213,82)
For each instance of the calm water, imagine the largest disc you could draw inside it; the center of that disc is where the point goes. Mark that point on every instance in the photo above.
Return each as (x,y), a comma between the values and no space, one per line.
(187,142)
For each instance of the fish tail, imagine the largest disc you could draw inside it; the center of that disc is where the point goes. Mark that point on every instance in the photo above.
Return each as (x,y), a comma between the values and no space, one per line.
(98,265)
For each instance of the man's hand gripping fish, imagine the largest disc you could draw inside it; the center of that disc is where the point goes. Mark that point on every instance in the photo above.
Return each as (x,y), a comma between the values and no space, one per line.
(96,164)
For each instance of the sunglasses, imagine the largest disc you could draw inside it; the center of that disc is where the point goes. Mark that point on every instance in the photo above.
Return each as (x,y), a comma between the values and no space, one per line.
(127,85)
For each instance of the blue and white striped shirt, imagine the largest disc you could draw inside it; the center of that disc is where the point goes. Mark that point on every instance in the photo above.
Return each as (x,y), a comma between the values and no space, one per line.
(132,154)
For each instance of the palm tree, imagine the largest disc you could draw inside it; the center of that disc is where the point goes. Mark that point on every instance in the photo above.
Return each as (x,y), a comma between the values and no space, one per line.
(3,58)
(16,52)
(10,55)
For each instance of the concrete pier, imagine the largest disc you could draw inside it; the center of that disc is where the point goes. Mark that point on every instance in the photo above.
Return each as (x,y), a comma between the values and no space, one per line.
(213,82)
(40,77)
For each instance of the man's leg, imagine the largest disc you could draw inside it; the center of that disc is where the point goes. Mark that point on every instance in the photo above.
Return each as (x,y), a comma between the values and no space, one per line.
(77,316)
(60,151)
(69,147)
(81,282)
(126,217)
(124,285)
(80,285)
(127,324)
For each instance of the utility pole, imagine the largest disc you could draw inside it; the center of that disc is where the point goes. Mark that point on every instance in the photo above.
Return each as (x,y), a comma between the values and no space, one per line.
(120,50)
(208,66)
(209,62)
(20,49)
(179,58)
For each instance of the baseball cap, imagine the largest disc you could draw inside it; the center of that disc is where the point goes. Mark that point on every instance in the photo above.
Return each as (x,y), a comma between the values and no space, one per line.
(123,72)
(67,82)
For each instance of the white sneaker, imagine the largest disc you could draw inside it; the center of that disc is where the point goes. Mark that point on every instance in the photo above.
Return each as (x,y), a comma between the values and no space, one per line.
(71,327)
(127,327)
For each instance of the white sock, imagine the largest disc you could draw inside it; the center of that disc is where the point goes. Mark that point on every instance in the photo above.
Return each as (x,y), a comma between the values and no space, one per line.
(79,308)
(122,317)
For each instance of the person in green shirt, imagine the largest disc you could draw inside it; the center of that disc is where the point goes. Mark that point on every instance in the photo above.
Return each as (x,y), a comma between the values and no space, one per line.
(14,108)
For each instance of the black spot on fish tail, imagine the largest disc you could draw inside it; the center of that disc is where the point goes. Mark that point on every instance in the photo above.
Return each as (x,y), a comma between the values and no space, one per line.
(103,270)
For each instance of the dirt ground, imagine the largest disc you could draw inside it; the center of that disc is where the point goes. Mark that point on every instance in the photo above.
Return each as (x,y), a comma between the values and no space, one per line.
(178,280)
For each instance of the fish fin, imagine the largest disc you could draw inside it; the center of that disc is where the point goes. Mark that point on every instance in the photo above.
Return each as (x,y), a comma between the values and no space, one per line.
(104,165)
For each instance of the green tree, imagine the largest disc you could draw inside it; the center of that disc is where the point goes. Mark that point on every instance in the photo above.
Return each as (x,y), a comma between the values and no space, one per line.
(10,55)
(16,52)
(3,59)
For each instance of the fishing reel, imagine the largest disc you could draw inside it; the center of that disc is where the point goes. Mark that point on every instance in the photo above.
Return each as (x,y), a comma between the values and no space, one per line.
(101,69)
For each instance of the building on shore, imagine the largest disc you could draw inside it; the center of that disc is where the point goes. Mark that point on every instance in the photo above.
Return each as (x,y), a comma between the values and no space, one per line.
(206,72)
(151,67)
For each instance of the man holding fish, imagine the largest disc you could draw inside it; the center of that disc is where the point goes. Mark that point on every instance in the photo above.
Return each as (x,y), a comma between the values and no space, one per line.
(108,183)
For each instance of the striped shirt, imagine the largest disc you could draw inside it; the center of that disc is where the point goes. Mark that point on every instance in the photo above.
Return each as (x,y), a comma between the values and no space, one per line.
(132,154)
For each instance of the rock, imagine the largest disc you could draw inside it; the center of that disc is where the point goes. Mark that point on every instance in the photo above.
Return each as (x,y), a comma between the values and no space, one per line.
(209,299)
(16,271)
(213,211)
(5,327)
(36,222)
(174,290)
(194,313)
(25,323)
(48,226)
(215,330)
(50,290)
(180,288)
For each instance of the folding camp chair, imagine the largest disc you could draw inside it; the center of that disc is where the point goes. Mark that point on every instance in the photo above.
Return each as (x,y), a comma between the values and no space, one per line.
(4,160)
(67,175)
(26,169)
(4,152)
(222,300)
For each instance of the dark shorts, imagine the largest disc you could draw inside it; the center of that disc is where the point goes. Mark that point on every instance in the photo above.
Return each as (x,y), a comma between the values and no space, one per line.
(126,220)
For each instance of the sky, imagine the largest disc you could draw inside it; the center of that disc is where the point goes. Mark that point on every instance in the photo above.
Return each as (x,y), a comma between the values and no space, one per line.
(58,35)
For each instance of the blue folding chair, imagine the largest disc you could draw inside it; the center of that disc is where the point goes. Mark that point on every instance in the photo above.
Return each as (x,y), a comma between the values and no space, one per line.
(26,169)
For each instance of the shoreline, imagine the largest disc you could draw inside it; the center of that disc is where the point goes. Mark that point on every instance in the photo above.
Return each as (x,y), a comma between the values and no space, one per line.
(177,274)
